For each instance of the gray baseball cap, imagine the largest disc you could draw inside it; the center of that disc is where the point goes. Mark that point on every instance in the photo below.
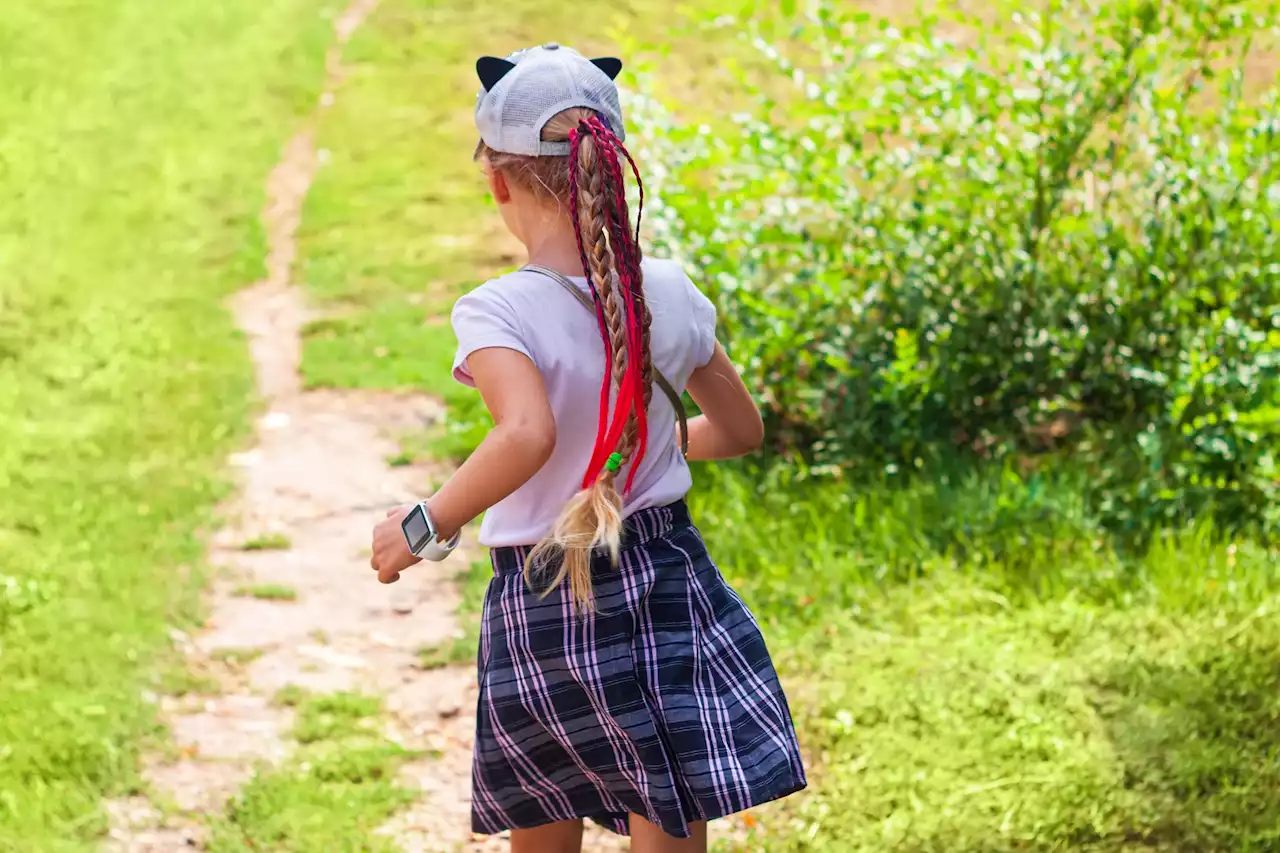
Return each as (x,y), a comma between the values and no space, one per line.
(523,92)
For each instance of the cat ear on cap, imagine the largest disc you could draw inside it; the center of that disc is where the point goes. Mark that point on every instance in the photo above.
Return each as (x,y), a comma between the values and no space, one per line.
(610,65)
(491,69)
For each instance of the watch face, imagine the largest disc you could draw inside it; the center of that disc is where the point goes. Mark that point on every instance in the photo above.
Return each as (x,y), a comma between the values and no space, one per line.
(417,532)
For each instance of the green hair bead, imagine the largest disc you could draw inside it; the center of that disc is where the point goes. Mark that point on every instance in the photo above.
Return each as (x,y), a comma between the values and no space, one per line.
(614,463)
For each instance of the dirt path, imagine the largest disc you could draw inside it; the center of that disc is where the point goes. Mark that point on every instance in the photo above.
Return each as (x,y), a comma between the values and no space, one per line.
(311,489)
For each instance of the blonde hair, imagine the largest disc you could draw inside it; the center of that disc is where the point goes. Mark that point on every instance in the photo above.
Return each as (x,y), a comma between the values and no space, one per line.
(592,520)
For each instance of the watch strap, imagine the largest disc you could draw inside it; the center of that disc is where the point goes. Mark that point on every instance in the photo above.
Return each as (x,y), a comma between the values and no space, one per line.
(435,551)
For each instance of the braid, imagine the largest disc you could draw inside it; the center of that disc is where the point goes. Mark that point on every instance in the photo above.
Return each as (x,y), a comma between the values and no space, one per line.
(631,276)
(601,262)
(611,260)
(631,437)
(618,217)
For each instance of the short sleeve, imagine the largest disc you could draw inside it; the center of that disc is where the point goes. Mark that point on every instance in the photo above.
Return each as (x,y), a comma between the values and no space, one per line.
(483,319)
(703,315)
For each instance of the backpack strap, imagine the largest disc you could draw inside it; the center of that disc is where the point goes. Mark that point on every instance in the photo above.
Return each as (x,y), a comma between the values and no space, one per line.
(661,381)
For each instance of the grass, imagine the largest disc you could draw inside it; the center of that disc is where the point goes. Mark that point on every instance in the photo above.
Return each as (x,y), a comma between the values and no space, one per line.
(134,141)
(338,715)
(178,679)
(267,542)
(268,592)
(236,656)
(289,696)
(400,460)
(1013,698)
(954,723)
(333,792)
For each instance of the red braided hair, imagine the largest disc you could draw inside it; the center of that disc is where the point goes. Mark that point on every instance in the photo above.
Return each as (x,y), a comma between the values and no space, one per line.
(630,401)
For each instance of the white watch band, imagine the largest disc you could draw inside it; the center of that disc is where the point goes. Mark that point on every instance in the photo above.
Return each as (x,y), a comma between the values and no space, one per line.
(435,551)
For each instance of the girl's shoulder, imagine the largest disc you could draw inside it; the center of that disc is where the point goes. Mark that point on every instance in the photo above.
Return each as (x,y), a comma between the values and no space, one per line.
(501,296)
(667,283)
(665,271)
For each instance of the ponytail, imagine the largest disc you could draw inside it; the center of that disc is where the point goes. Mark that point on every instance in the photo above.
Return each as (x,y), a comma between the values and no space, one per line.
(592,520)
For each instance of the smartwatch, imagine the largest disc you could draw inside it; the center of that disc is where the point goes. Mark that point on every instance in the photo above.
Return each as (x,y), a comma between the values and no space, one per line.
(420,534)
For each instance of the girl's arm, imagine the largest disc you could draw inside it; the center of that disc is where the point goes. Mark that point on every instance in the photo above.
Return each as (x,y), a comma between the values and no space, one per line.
(520,443)
(730,424)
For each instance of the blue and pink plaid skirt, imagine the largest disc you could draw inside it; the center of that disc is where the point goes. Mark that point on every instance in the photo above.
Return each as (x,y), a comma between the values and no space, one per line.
(663,702)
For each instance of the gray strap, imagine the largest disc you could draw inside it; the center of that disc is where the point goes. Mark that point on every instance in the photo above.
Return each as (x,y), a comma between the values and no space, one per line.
(667,388)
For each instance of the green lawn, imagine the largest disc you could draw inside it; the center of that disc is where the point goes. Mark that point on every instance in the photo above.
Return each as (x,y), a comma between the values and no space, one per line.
(135,137)
(1015,700)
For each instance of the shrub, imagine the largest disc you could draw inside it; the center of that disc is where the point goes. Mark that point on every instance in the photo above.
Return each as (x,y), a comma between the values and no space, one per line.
(964,239)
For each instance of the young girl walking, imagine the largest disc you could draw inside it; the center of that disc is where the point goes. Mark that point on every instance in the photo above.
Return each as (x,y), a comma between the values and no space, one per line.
(621,679)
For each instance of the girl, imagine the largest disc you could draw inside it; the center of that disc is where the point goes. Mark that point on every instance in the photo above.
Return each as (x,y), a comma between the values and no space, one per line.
(621,679)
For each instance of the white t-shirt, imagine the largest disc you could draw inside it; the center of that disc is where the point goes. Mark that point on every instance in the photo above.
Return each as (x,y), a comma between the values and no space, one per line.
(533,314)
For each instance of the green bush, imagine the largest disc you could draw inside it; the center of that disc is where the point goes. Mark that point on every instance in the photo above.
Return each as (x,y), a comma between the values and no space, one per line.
(963,239)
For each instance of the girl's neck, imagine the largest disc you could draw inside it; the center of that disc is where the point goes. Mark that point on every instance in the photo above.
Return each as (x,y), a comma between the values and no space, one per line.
(553,243)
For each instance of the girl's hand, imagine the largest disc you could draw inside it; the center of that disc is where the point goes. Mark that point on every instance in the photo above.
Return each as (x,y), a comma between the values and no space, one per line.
(390,552)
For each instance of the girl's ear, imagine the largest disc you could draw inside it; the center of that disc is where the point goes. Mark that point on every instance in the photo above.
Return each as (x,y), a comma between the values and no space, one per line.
(610,65)
(498,186)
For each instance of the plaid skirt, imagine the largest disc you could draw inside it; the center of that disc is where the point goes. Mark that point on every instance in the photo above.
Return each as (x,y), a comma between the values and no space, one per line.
(663,702)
